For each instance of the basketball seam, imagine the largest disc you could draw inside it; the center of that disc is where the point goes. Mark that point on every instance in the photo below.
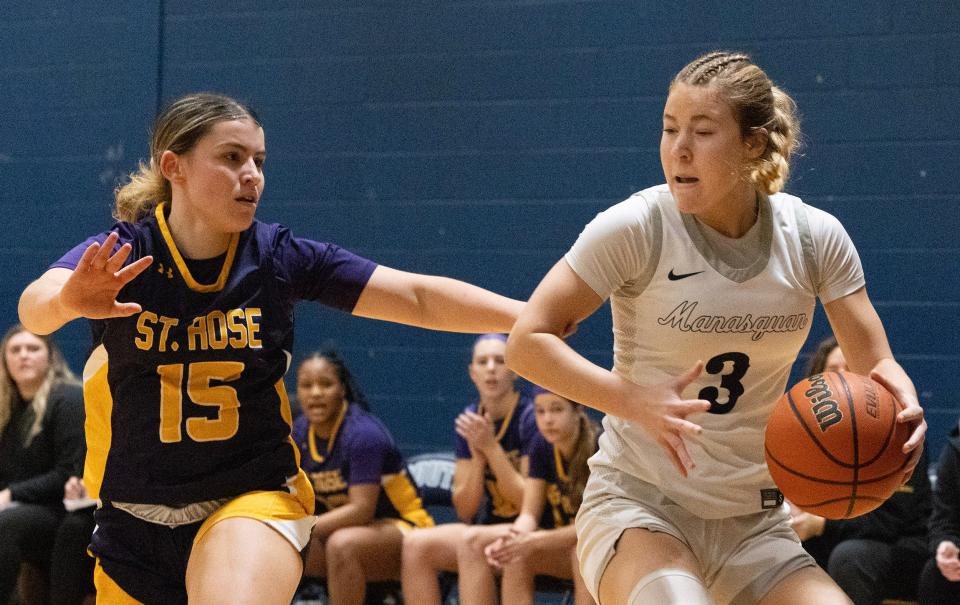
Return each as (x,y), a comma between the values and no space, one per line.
(890,431)
(857,489)
(810,434)
(856,443)
(834,501)
(832,481)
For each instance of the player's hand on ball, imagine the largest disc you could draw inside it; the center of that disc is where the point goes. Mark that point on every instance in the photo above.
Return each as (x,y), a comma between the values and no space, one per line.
(912,414)
(91,290)
(661,411)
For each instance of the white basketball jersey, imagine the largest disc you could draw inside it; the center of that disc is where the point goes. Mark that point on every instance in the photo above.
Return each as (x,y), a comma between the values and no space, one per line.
(675,300)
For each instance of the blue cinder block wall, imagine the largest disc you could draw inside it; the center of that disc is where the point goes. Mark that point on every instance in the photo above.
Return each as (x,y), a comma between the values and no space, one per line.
(475,139)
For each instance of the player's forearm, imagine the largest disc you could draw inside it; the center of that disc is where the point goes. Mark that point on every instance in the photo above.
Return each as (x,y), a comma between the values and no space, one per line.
(509,479)
(466,504)
(551,540)
(525,523)
(467,492)
(348,515)
(434,302)
(895,374)
(546,360)
(456,306)
(40,309)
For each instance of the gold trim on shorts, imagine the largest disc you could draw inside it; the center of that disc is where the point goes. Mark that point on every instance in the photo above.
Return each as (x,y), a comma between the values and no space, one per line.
(108,591)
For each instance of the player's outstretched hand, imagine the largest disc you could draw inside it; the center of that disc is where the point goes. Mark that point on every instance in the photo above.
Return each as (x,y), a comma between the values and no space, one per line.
(663,414)
(91,290)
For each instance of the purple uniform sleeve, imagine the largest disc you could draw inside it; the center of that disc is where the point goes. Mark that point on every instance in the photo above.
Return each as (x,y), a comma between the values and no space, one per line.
(299,430)
(321,272)
(528,429)
(367,451)
(72,257)
(541,458)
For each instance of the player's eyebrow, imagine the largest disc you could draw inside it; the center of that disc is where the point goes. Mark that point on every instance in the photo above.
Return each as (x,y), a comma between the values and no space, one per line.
(241,146)
(695,117)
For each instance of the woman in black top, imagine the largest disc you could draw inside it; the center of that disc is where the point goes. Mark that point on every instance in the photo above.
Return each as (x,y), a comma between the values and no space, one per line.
(41,439)
(940,581)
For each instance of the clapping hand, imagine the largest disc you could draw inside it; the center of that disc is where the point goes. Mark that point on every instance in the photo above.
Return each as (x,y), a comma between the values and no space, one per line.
(477,430)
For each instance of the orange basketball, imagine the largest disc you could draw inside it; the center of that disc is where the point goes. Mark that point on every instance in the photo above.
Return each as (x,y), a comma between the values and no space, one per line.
(833,445)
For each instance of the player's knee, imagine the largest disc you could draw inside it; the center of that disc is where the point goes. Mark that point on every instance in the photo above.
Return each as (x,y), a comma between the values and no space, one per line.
(669,587)
(415,547)
(474,540)
(340,547)
(854,558)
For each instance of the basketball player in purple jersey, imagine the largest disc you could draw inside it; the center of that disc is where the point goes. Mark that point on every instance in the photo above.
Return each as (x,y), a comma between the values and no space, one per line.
(188,422)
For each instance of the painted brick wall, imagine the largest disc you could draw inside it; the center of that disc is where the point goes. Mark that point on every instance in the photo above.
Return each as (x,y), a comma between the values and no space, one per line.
(475,139)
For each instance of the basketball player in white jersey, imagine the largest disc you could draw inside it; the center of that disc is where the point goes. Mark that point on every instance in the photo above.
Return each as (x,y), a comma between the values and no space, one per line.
(713,278)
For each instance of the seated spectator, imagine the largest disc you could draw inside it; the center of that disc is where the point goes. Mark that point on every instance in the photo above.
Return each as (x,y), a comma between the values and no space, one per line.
(828,357)
(538,544)
(71,566)
(940,580)
(879,554)
(364,497)
(493,438)
(41,439)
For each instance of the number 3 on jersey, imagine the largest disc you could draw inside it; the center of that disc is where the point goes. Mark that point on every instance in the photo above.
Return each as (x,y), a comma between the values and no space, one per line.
(200,392)
(730,381)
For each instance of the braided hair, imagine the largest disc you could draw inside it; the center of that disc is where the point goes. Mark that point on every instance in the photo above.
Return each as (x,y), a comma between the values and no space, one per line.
(758,105)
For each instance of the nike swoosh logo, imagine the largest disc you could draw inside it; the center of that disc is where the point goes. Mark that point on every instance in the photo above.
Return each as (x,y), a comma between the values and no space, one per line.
(675,276)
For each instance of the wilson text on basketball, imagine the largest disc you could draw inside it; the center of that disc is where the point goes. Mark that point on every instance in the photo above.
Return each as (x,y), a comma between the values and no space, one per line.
(826,410)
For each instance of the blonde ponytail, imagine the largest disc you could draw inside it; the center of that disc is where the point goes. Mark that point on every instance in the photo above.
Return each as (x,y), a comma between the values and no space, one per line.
(137,198)
(773,167)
